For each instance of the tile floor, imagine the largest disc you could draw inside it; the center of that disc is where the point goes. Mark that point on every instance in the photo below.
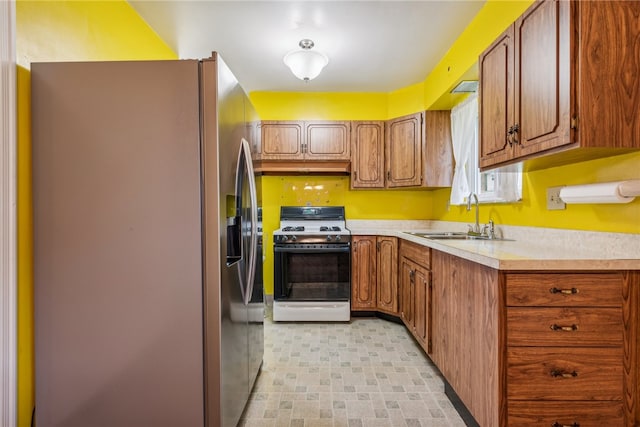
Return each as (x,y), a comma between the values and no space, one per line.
(366,373)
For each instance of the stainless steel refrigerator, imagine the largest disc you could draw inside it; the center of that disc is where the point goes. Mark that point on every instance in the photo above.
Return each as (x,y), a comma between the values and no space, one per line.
(145,238)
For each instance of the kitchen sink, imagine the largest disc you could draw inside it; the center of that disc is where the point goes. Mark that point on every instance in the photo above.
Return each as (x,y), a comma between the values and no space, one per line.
(451,235)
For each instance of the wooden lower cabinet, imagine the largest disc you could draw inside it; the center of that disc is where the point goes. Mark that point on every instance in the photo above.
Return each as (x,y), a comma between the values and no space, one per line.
(374,274)
(467,333)
(387,289)
(524,348)
(538,348)
(572,349)
(415,291)
(364,273)
(564,413)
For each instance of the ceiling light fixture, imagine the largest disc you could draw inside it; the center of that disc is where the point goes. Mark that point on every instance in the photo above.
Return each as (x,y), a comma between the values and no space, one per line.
(306,64)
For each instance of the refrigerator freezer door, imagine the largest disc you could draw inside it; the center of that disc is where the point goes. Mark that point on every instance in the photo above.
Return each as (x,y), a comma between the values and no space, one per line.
(117,244)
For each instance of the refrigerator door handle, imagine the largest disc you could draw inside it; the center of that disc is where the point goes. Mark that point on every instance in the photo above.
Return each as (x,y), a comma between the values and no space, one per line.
(246,167)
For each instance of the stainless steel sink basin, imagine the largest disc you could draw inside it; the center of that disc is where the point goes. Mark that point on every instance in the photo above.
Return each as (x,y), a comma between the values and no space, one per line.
(451,235)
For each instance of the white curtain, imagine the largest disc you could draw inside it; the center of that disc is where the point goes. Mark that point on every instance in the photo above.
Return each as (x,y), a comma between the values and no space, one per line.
(509,183)
(8,247)
(464,124)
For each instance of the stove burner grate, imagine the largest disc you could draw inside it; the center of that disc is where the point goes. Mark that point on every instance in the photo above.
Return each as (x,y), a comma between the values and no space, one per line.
(325,228)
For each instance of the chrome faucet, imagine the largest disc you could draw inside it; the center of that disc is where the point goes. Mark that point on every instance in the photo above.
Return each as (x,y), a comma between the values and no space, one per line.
(474,230)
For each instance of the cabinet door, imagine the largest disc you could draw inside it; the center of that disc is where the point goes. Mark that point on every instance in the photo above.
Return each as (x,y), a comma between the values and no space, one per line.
(327,140)
(438,150)
(542,77)
(387,248)
(406,292)
(282,140)
(467,332)
(363,273)
(496,100)
(403,151)
(422,307)
(367,155)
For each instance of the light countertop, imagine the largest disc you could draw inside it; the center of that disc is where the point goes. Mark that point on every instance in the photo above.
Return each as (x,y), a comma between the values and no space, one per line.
(530,248)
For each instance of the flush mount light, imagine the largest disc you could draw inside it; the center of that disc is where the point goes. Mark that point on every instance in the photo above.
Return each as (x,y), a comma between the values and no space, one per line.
(305,63)
(466,86)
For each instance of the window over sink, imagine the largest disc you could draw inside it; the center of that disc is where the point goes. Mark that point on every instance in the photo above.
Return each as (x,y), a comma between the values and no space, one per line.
(503,185)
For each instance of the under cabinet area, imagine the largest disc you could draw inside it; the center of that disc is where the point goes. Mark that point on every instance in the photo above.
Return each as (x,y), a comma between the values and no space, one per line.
(374,274)
(544,91)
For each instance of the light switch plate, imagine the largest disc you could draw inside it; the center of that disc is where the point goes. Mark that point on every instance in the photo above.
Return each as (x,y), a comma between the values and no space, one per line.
(554,202)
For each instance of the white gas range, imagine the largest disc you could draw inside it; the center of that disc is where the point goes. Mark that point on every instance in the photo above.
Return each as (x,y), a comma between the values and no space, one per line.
(312,265)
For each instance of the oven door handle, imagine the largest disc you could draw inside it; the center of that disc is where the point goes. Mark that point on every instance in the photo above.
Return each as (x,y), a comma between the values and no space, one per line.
(332,249)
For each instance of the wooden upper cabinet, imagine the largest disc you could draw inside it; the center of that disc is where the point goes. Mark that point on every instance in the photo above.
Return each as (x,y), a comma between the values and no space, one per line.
(542,76)
(327,140)
(438,149)
(558,83)
(496,89)
(411,151)
(524,86)
(254,133)
(403,151)
(298,140)
(282,140)
(367,154)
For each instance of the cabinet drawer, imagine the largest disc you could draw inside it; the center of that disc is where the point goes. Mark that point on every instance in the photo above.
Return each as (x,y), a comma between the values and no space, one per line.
(585,414)
(602,290)
(556,373)
(564,326)
(417,253)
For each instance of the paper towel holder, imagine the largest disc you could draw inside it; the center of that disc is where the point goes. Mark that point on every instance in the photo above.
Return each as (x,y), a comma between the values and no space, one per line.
(603,192)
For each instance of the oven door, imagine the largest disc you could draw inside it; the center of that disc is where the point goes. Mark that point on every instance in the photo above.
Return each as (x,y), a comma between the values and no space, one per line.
(312,272)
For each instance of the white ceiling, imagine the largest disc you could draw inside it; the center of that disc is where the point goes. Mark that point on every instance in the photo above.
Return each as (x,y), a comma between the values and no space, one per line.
(373,46)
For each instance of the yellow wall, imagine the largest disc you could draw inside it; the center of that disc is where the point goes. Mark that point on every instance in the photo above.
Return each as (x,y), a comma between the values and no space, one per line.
(494,17)
(532,210)
(61,31)
(320,105)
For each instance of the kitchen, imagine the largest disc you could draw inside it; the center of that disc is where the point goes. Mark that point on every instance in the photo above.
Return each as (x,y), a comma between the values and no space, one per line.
(408,205)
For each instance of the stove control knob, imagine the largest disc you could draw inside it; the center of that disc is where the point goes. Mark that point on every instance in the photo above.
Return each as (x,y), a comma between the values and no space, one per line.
(328,238)
(294,238)
(337,238)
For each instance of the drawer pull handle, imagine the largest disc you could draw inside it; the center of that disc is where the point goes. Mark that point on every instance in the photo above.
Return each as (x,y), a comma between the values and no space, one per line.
(557,424)
(571,328)
(564,291)
(555,373)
